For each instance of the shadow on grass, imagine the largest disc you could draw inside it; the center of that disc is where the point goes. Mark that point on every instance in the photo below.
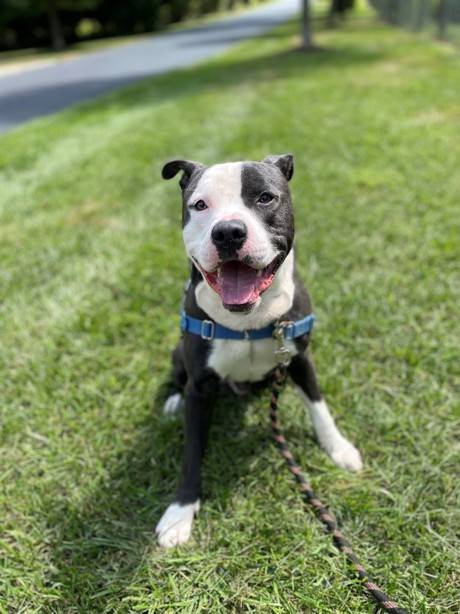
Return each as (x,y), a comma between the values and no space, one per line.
(222,74)
(144,89)
(99,545)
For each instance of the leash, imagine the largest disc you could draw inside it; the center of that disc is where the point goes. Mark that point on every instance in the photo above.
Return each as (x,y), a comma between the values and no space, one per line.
(383,601)
(281,332)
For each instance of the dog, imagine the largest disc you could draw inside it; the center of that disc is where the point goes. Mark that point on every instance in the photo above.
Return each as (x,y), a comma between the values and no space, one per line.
(238,231)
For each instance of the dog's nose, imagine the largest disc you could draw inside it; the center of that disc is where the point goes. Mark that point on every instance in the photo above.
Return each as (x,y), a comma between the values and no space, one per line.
(229,236)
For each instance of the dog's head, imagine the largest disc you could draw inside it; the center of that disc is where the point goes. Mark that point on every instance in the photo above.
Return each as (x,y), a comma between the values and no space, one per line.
(237,223)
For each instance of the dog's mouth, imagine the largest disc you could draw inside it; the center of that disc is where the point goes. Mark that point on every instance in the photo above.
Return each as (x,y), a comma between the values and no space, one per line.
(240,285)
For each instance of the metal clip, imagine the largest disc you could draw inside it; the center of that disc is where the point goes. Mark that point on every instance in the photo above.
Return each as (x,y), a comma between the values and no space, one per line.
(207,330)
(282,354)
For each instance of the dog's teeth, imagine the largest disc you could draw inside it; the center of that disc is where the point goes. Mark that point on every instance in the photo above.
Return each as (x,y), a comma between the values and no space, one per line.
(259,273)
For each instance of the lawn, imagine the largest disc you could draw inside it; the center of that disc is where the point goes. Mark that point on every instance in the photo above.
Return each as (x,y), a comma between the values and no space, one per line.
(90,285)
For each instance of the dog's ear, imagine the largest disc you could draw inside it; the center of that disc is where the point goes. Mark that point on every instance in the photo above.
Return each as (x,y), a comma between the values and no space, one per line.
(170,170)
(285,163)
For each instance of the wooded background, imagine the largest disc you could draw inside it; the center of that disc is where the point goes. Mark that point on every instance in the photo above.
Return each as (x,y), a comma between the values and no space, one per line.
(57,23)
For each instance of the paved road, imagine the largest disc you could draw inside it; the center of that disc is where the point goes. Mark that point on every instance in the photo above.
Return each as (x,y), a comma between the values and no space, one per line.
(41,91)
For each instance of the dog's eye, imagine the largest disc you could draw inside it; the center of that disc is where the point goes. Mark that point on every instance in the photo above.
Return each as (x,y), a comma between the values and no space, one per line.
(200,205)
(265,198)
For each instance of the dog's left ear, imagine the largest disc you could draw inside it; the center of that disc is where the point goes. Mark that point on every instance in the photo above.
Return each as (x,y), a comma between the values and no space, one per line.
(170,170)
(285,163)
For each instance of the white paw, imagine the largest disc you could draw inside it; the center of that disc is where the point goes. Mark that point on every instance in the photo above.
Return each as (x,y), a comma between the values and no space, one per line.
(345,455)
(176,523)
(173,404)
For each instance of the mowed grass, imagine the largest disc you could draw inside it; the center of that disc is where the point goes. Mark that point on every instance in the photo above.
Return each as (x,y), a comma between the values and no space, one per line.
(92,269)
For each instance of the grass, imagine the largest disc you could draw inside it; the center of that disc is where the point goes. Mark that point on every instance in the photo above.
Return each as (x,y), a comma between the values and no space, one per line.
(90,284)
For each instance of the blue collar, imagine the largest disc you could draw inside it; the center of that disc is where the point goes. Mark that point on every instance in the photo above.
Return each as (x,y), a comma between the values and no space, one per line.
(207,329)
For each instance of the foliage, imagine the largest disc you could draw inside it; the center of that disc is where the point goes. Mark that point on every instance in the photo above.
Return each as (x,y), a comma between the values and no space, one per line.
(27,23)
(341,6)
(440,16)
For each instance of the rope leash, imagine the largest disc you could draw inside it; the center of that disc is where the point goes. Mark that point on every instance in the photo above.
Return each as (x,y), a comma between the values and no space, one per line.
(383,601)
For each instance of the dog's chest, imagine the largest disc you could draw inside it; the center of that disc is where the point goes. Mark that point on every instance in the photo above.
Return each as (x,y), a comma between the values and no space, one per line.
(244,361)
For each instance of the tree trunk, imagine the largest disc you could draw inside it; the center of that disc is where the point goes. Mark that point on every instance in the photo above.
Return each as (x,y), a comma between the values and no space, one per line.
(442,19)
(331,17)
(307,37)
(420,12)
(56,31)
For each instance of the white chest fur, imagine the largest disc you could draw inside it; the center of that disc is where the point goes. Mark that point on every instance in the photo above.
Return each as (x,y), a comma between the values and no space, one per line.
(244,361)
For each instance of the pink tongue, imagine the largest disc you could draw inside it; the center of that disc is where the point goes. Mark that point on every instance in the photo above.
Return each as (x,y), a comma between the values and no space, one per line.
(237,283)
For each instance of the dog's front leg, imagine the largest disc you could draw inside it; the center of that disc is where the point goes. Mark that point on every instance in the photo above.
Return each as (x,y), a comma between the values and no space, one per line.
(341,451)
(176,523)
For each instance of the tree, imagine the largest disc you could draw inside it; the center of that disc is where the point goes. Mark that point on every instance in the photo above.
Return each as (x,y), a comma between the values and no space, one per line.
(307,36)
(53,8)
(338,8)
(442,11)
(55,26)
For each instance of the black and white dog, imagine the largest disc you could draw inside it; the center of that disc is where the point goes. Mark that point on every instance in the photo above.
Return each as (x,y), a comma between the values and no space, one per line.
(238,231)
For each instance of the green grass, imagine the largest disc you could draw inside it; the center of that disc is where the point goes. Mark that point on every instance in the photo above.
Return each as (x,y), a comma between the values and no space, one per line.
(90,284)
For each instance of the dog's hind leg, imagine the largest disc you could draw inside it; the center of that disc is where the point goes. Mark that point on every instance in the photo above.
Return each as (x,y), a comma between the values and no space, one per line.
(341,451)
(175,400)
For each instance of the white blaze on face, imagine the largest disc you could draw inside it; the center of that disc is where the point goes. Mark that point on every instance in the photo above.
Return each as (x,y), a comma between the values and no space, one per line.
(220,188)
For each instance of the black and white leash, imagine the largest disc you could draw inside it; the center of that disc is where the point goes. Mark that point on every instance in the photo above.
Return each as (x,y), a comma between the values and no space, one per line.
(323,514)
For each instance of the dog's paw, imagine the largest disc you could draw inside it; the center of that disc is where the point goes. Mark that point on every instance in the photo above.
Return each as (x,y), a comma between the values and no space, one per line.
(173,404)
(345,455)
(176,523)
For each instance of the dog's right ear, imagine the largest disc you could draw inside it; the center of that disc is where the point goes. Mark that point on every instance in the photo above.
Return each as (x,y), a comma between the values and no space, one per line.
(188,167)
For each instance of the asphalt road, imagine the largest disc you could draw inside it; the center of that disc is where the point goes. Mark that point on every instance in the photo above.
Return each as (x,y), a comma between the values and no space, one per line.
(35,92)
